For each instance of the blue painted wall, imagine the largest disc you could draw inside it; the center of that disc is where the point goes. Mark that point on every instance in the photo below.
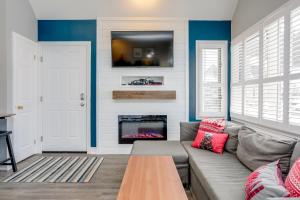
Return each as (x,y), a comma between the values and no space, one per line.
(75,30)
(205,30)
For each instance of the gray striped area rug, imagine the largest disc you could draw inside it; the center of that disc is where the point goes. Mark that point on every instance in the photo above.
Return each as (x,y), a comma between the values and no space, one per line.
(58,170)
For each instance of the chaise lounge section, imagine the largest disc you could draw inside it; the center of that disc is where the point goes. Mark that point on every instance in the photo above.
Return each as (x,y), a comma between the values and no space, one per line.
(166,148)
(212,176)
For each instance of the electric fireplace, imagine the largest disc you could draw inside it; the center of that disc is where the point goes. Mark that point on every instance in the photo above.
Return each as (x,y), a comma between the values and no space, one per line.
(142,127)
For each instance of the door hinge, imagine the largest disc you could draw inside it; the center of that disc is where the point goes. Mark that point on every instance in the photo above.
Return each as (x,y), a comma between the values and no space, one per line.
(34,141)
(42,138)
(41,98)
(41,59)
(34,57)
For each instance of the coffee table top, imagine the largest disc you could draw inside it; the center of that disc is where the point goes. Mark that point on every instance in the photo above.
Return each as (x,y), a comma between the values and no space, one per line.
(151,178)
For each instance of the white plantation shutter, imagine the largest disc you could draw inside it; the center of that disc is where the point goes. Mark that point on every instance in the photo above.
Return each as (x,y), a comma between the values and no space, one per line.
(295,42)
(237,62)
(273,50)
(211,73)
(273,101)
(236,99)
(212,99)
(294,102)
(212,65)
(251,100)
(212,80)
(251,71)
(268,92)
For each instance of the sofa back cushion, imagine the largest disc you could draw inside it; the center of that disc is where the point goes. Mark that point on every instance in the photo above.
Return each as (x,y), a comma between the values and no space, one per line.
(296,153)
(257,149)
(232,130)
(188,130)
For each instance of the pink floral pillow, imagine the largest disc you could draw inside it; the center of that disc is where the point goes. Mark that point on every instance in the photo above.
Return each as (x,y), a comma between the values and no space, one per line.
(266,182)
(292,182)
(212,125)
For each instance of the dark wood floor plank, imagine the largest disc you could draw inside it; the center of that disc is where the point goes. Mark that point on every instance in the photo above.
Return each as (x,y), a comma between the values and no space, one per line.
(104,185)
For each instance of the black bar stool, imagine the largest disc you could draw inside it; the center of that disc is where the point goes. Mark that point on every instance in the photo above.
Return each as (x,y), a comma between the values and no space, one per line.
(11,158)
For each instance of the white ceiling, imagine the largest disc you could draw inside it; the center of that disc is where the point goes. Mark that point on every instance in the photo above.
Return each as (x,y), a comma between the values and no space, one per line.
(91,9)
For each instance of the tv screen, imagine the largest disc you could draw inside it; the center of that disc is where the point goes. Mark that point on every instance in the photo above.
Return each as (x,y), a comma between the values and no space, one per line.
(142,48)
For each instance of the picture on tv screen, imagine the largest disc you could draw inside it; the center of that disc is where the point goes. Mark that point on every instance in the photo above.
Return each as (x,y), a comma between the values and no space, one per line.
(142,48)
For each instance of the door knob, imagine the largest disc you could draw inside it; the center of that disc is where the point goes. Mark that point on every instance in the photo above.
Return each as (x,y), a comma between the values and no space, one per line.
(82,96)
(20,107)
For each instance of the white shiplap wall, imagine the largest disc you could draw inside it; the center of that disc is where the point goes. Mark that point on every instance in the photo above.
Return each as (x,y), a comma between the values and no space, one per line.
(109,79)
(3,57)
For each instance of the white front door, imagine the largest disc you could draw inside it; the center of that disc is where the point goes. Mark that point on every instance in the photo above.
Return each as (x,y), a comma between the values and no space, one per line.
(24,96)
(64,95)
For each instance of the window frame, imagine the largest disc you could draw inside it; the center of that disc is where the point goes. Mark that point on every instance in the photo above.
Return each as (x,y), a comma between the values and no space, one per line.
(213,44)
(284,126)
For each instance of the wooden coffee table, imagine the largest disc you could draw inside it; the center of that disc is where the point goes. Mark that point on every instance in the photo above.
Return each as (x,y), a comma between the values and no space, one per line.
(151,178)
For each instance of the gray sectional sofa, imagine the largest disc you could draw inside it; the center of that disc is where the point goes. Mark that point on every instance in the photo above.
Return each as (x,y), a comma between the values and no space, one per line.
(212,176)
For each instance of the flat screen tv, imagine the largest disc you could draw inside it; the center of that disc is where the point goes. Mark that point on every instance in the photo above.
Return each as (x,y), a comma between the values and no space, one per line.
(142,49)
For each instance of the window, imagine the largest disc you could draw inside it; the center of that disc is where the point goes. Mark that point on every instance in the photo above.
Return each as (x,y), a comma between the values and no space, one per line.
(211,78)
(252,57)
(265,75)
(273,49)
(251,100)
(294,105)
(236,99)
(251,72)
(237,62)
(273,101)
(273,66)
(294,85)
(295,41)
(237,78)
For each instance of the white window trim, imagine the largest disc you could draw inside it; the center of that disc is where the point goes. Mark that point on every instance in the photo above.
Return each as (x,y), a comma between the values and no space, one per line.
(200,44)
(283,127)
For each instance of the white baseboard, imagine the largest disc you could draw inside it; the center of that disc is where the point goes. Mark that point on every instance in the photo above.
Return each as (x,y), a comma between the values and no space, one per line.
(5,167)
(93,150)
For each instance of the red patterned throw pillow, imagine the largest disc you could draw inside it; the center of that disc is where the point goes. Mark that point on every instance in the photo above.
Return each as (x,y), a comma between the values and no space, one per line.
(210,141)
(292,182)
(213,125)
(265,182)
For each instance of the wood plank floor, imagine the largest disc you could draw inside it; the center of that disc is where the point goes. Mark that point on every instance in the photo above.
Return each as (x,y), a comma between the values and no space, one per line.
(104,185)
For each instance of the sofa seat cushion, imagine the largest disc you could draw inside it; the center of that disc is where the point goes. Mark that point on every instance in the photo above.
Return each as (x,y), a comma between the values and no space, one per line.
(170,148)
(222,176)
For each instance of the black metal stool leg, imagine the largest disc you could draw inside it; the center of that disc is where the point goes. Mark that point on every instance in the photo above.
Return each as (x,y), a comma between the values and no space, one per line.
(11,153)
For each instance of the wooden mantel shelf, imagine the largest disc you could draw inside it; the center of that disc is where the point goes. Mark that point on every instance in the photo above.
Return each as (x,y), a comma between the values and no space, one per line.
(150,94)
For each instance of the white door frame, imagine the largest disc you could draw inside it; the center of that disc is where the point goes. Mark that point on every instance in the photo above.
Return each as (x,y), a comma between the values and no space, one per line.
(88,90)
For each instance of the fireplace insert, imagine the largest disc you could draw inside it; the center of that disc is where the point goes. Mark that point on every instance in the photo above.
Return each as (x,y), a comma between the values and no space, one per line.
(142,127)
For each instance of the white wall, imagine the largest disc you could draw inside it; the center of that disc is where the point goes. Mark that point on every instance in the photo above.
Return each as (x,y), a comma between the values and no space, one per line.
(2,56)
(109,80)
(15,16)
(249,12)
(20,18)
